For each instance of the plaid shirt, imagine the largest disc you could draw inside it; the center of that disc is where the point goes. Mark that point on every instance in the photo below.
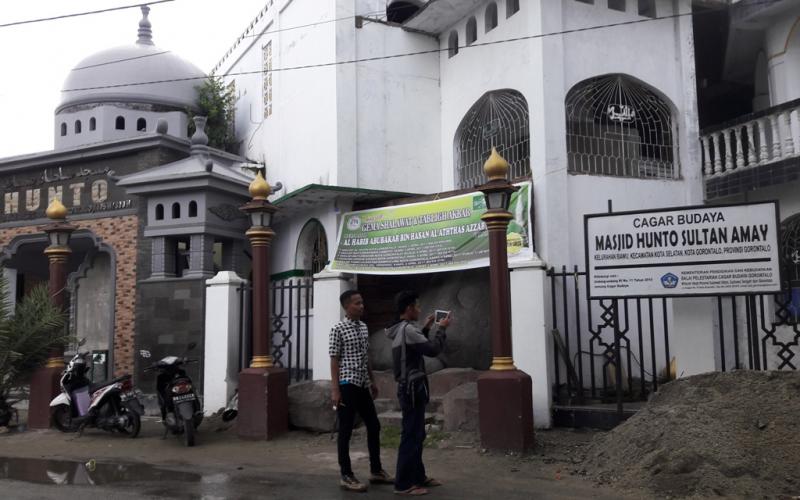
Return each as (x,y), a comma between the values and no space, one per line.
(349,341)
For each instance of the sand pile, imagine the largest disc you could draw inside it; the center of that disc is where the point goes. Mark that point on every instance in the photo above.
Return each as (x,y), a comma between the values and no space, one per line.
(734,434)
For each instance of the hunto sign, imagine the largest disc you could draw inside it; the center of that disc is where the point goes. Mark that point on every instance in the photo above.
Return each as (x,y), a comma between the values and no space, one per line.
(730,249)
(431,236)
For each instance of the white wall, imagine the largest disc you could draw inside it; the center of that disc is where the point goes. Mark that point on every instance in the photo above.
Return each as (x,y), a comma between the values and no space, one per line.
(105,125)
(782,39)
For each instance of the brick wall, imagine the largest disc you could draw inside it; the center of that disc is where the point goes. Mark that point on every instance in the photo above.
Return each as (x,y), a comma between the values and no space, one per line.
(121,234)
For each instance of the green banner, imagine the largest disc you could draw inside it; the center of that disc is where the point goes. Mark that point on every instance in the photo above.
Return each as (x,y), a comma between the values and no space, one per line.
(431,236)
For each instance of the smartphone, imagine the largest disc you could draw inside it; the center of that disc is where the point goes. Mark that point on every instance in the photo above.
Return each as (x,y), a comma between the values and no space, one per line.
(440,315)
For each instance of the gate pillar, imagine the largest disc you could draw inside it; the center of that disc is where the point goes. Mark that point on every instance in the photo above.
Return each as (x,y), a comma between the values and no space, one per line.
(222,340)
(531,342)
(327,312)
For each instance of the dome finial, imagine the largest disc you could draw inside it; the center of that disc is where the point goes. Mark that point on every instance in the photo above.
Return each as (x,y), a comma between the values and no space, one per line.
(145,33)
(496,167)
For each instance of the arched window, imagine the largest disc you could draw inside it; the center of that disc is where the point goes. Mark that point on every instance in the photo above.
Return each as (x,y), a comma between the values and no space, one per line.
(159,212)
(77,126)
(617,126)
(499,119)
(63,129)
(192,208)
(141,125)
(120,123)
(92,123)
(490,17)
(176,210)
(452,44)
(472,30)
(311,254)
(512,7)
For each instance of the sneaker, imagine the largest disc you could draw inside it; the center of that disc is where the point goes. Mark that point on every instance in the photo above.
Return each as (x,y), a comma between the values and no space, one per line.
(350,483)
(381,477)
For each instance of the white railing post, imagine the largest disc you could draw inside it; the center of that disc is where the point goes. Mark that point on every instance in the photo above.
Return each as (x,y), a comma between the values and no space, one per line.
(762,140)
(717,158)
(776,137)
(788,149)
(751,146)
(739,151)
(708,166)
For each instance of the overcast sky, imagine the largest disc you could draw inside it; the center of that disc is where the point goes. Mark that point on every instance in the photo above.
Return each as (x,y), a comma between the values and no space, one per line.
(35,58)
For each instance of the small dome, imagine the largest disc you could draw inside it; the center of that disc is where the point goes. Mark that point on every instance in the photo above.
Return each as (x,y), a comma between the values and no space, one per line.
(115,69)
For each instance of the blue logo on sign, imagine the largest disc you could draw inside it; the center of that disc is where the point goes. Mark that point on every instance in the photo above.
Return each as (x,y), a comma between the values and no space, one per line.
(669,280)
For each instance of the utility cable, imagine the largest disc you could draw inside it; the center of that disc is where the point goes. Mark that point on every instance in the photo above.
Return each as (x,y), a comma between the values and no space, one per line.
(406,54)
(79,14)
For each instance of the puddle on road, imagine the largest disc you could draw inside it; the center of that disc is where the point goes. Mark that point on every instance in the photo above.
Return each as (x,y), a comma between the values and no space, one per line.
(45,471)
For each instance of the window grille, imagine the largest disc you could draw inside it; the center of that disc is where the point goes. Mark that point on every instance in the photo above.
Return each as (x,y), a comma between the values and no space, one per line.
(499,119)
(618,127)
(267,78)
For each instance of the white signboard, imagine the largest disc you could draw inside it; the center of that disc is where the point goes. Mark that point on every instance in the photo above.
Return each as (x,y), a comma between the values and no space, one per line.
(686,251)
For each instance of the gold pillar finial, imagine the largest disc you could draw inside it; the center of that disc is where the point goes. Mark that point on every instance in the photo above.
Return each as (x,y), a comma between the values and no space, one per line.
(259,188)
(496,167)
(56,210)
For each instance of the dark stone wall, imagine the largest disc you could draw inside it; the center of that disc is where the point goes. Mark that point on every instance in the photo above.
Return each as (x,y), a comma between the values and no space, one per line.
(170,315)
(465,293)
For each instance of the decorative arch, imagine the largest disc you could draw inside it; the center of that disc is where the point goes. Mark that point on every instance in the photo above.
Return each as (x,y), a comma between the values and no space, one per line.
(92,123)
(619,126)
(311,254)
(119,123)
(192,208)
(78,127)
(141,125)
(512,7)
(63,129)
(498,119)
(159,212)
(176,210)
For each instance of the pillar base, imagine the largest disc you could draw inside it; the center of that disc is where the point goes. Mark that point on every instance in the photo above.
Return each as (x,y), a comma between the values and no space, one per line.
(263,403)
(505,408)
(45,385)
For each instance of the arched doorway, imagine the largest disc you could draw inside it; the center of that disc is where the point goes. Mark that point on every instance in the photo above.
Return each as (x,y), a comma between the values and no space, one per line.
(90,292)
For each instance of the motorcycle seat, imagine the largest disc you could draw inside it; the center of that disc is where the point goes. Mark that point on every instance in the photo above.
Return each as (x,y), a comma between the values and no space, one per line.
(100,385)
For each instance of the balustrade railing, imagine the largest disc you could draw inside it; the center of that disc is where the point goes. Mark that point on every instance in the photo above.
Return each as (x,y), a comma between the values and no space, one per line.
(757,139)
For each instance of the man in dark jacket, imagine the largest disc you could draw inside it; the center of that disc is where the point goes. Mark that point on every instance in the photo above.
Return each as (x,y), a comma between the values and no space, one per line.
(409,345)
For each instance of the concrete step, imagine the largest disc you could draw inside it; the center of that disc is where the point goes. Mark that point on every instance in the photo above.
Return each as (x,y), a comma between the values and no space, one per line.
(395,418)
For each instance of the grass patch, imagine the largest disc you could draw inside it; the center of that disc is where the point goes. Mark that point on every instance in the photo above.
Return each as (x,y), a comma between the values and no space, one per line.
(390,438)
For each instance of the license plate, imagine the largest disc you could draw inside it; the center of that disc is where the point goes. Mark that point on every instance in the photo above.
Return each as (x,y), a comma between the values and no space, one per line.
(183,397)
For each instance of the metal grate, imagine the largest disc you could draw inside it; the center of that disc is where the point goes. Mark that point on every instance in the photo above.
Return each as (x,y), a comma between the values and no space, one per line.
(499,119)
(618,127)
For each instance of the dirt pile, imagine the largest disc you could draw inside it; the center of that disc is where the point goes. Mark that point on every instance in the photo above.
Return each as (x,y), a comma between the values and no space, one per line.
(734,434)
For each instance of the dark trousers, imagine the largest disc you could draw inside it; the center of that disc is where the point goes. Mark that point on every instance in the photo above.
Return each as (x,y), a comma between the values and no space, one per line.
(410,469)
(357,399)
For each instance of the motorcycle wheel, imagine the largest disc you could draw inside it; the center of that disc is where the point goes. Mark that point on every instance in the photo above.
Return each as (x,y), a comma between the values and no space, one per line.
(188,431)
(61,416)
(134,423)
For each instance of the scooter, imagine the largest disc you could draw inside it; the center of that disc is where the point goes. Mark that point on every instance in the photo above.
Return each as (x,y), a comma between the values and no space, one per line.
(112,405)
(181,411)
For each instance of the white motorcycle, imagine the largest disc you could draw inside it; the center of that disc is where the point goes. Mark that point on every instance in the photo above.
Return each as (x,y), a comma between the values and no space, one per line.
(112,405)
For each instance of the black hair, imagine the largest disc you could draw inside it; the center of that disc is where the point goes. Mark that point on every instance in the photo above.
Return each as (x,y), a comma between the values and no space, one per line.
(404,299)
(345,297)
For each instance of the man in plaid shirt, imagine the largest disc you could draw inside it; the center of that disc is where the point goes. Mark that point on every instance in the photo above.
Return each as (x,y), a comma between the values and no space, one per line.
(352,390)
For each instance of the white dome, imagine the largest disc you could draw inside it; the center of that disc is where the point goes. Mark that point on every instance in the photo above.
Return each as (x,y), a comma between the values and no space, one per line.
(118,75)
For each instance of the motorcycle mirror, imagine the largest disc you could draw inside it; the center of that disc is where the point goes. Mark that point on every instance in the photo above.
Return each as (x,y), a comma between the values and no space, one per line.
(82,341)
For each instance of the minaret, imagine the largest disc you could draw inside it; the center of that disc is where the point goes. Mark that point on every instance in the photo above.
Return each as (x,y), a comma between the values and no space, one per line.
(145,31)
